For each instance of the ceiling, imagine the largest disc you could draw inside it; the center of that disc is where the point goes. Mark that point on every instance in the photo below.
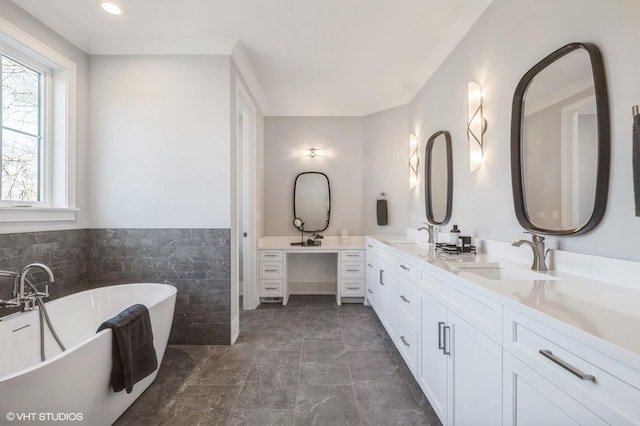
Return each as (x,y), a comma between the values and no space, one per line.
(328,57)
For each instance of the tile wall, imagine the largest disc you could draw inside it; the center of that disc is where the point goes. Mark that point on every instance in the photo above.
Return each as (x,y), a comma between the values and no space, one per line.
(196,261)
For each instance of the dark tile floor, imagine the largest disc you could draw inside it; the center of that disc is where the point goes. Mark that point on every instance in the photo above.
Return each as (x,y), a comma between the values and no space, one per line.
(308,363)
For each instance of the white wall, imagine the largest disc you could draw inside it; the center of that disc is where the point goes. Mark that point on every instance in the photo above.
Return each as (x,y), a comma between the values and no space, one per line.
(504,43)
(160,142)
(385,153)
(342,138)
(34,28)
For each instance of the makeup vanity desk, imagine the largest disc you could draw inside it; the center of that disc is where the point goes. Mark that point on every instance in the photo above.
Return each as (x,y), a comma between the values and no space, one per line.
(333,268)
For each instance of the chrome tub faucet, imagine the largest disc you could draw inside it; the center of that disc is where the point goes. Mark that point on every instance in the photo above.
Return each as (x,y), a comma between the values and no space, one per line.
(537,245)
(21,298)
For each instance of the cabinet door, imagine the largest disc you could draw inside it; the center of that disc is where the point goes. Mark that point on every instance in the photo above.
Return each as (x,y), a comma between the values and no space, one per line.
(530,399)
(432,362)
(475,372)
(390,319)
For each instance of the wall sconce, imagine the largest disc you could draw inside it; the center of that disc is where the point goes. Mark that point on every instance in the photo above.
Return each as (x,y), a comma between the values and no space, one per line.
(314,152)
(414,161)
(476,126)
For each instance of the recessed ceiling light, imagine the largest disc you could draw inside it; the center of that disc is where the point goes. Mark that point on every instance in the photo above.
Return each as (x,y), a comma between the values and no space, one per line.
(112,7)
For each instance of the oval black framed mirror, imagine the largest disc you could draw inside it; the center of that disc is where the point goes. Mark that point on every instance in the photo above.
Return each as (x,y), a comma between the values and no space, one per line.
(438,175)
(312,201)
(560,142)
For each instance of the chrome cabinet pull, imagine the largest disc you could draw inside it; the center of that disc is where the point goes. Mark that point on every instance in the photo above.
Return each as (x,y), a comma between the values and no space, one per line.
(444,340)
(381,271)
(370,265)
(440,343)
(353,255)
(353,270)
(370,291)
(352,288)
(270,255)
(405,341)
(271,270)
(405,267)
(271,288)
(571,369)
(369,245)
(405,299)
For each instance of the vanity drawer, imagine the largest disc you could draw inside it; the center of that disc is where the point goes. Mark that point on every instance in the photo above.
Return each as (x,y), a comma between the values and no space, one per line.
(352,255)
(407,268)
(352,288)
(271,288)
(271,270)
(525,338)
(352,270)
(407,342)
(408,300)
(271,255)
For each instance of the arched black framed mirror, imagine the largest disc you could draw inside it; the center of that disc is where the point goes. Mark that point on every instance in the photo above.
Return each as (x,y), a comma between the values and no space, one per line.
(438,175)
(560,142)
(312,201)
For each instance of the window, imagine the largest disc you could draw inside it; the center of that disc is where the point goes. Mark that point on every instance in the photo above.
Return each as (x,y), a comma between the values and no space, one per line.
(23,149)
(37,130)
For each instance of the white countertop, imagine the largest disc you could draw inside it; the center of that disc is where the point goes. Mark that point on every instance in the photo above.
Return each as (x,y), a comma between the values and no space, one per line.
(328,243)
(607,311)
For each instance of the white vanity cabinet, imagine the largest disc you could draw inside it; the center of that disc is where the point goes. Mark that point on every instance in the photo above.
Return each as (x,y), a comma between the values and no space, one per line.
(352,273)
(482,357)
(271,273)
(459,367)
(371,272)
(570,382)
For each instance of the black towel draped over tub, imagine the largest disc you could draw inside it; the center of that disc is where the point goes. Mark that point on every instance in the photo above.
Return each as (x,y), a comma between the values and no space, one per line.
(134,356)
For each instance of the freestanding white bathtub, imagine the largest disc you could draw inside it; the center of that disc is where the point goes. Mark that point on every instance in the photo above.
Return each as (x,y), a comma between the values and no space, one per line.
(72,387)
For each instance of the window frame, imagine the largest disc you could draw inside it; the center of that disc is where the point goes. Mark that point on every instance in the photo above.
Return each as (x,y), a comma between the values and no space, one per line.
(60,129)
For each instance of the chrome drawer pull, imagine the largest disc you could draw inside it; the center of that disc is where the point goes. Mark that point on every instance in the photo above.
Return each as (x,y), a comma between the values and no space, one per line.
(405,341)
(381,271)
(370,291)
(440,344)
(353,288)
(571,369)
(444,340)
(271,270)
(270,255)
(405,299)
(271,288)
(353,255)
(369,245)
(370,265)
(353,270)
(404,267)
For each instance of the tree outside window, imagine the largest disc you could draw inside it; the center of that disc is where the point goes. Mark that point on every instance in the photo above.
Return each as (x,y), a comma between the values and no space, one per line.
(21,132)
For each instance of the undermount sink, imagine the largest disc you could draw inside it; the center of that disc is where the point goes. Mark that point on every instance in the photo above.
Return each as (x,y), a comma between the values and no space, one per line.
(402,242)
(499,272)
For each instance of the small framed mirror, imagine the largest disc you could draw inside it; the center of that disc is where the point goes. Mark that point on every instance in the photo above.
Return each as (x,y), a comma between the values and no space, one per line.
(438,175)
(560,142)
(312,201)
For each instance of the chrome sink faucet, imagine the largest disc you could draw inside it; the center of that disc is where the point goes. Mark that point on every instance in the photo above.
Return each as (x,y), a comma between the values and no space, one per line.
(431,230)
(537,245)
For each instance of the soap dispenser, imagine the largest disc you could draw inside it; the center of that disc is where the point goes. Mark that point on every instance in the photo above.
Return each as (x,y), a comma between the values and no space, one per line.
(454,236)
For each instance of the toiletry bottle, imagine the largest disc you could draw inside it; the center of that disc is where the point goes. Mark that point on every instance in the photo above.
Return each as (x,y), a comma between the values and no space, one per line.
(454,236)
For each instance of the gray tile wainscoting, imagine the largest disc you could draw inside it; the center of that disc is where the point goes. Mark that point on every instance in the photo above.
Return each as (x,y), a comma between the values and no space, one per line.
(65,252)
(196,261)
